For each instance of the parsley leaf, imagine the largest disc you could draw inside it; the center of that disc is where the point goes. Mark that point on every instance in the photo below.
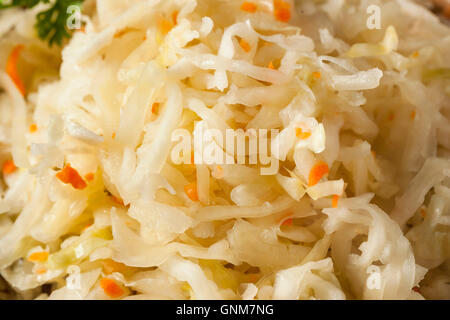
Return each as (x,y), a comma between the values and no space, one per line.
(51,24)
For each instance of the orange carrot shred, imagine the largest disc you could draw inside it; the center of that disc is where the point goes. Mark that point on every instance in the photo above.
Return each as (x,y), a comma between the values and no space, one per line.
(374,154)
(11,68)
(288,222)
(38,256)
(335,201)
(283,15)
(317,172)
(89,177)
(413,115)
(302,134)
(69,175)
(317,75)
(165,26)
(155,108)
(33,128)
(111,288)
(391,116)
(175,17)
(40,270)
(191,191)
(117,200)
(282,10)
(9,167)
(245,45)
(249,7)
(415,54)
(416,289)
(113,135)
(271,66)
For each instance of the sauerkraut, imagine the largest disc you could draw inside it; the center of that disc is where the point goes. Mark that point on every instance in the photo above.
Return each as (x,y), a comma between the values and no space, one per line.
(94,206)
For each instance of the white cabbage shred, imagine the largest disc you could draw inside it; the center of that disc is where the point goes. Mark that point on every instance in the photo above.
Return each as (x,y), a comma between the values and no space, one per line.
(358,208)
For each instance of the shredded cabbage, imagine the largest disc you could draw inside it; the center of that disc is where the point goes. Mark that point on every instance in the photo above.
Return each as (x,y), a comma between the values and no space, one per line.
(358,128)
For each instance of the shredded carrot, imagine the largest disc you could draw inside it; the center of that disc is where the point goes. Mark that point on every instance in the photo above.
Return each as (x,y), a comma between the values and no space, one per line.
(165,26)
(9,167)
(288,222)
(302,134)
(69,175)
(83,29)
(113,135)
(416,289)
(283,15)
(111,288)
(192,163)
(415,54)
(245,45)
(317,172)
(87,226)
(38,256)
(11,68)
(413,115)
(111,266)
(423,213)
(117,200)
(391,116)
(33,128)
(40,270)
(155,108)
(335,201)
(316,75)
(175,17)
(249,7)
(271,66)
(89,177)
(282,10)
(191,191)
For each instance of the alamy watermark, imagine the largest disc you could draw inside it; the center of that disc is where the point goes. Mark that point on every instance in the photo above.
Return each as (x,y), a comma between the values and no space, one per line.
(373,281)
(74,20)
(217,147)
(73,279)
(374,19)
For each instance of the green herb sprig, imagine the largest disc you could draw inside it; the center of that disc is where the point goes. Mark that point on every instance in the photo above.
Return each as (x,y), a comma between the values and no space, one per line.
(51,24)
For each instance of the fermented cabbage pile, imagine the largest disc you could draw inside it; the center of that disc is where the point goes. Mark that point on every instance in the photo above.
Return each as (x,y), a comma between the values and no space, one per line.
(93,205)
